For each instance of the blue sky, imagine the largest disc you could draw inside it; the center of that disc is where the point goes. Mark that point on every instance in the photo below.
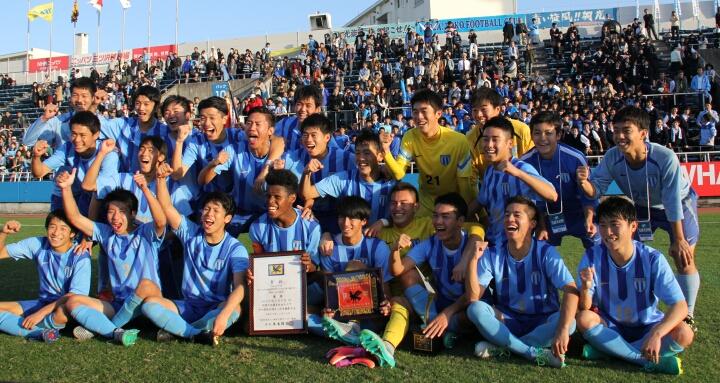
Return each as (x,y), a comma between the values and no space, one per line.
(200,20)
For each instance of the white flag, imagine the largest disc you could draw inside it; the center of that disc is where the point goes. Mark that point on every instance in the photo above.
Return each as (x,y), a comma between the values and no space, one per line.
(657,11)
(97,4)
(696,8)
(125,4)
(678,8)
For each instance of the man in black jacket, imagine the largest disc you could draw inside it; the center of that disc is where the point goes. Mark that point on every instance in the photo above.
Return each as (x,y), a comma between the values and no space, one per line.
(649,24)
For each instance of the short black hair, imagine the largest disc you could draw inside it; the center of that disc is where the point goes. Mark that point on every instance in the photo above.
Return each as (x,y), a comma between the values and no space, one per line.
(617,207)
(175,99)
(319,121)
(369,137)
(87,119)
(309,91)
(157,142)
(220,198)
(547,117)
(405,186)
(427,96)
(59,214)
(123,196)
(284,178)
(486,94)
(501,123)
(522,200)
(152,93)
(216,102)
(455,200)
(265,112)
(353,207)
(84,83)
(633,115)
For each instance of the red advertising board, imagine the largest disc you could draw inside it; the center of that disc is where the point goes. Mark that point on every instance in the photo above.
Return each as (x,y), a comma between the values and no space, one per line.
(704,177)
(156,52)
(41,65)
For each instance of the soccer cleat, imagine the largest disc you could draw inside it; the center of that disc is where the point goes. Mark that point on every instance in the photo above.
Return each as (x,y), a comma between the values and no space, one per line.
(206,337)
(449,339)
(342,355)
(339,331)
(376,346)
(487,350)
(671,365)
(126,338)
(50,335)
(591,353)
(690,320)
(545,357)
(163,336)
(81,333)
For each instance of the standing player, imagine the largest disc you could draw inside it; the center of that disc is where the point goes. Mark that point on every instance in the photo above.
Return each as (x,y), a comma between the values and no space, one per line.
(527,316)
(573,213)
(650,175)
(622,281)
(308,101)
(214,275)
(62,274)
(132,261)
(441,154)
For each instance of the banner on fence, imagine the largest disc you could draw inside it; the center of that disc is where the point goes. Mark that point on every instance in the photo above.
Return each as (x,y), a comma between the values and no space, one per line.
(79,61)
(704,177)
(43,64)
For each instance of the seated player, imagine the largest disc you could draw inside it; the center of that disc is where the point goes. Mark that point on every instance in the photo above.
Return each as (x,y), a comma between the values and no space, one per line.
(214,275)
(365,180)
(506,177)
(527,316)
(78,153)
(283,228)
(622,282)
(62,274)
(318,160)
(650,175)
(132,260)
(573,213)
(442,252)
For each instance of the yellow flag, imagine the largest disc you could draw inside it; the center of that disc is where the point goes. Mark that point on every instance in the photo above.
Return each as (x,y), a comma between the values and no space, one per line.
(44,11)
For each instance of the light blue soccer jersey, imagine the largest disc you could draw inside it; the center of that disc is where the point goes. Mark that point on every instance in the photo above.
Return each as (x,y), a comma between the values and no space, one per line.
(245,167)
(59,274)
(528,286)
(56,131)
(209,269)
(130,257)
(301,235)
(350,183)
(442,261)
(127,135)
(498,187)
(179,194)
(289,129)
(201,152)
(661,174)
(372,252)
(630,294)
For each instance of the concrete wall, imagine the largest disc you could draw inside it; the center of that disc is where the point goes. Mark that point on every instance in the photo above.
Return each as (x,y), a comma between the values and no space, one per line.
(204,89)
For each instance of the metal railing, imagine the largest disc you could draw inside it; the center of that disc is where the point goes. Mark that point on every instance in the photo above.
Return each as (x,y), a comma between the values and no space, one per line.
(674,95)
(8,176)
(703,156)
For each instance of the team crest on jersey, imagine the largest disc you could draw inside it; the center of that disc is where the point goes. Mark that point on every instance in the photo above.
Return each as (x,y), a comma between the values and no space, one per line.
(219,264)
(68,270)
(444,159)
(640,284)
(135,243)
(382,200)
(297,244)
(506,188)
(535,278)
(564,178)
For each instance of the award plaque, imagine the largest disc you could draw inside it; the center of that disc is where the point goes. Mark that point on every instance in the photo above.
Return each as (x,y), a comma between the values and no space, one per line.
(420,342)
(354,294)
(278,294)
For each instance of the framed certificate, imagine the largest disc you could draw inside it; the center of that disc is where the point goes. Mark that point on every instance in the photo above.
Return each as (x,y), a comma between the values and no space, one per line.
(354,294)
(278,294)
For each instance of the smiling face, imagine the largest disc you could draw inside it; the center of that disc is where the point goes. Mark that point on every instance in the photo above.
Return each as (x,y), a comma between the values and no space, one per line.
(175,116)
(306,107)
(81,99)
(119,216)
(446,221)
(212,122)
(403,206)
(519,222)
(426,118)
(315,141)
(496,144)
(628,137)
(351,228)
(214,218)
(149,157)
(484,111)
(83,139)
(258,131)
(616,232)
(59,234)
(545,138)
(144,108)
(278,201)
(367,158)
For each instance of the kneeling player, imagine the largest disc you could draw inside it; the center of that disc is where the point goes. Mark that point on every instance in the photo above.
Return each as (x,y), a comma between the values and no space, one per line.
(131,256)
(214,274)
(527,317)
(619,313)
(62,275)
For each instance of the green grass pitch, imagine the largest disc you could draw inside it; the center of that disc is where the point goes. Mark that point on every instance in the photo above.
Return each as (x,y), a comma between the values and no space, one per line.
(301,358)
